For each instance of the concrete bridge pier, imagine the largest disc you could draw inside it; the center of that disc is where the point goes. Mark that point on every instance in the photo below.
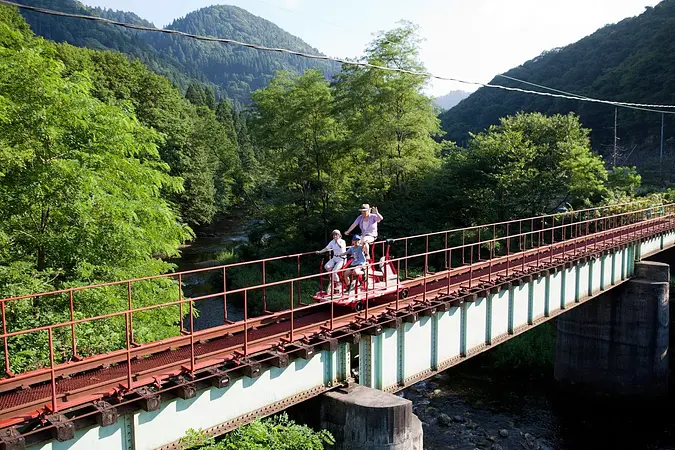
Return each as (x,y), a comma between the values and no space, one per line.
(361,418)
(618,343)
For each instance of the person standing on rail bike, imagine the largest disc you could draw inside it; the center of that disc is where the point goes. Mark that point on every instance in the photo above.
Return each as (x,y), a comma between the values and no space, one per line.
(359,262)
(338,247)
(367,222)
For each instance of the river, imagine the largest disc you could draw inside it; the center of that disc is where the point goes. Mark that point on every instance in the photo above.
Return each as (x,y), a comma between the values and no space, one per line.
(474,406)
(211,242)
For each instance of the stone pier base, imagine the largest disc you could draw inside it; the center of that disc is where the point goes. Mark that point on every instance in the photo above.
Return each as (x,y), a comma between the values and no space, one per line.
(361,418)
(618,342)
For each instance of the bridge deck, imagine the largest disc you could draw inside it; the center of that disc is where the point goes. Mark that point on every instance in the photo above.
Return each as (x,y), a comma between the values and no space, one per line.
(30,394)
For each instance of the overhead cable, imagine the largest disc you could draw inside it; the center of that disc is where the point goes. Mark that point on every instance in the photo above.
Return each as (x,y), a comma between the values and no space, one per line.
(328,58)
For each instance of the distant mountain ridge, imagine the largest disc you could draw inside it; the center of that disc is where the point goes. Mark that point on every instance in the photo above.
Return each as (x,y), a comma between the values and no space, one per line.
(628,61)
(451,99)
(231,70)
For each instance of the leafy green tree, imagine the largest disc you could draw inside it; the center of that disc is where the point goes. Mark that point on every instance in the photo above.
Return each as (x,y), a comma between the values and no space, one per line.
(195,95)
(209,98)
(278,432)
(80,200)
(300,142)
(391,122)
(527,165)
(194,145)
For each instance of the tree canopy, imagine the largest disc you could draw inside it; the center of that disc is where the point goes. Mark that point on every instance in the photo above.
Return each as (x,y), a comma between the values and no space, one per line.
(622,62)
(233,72)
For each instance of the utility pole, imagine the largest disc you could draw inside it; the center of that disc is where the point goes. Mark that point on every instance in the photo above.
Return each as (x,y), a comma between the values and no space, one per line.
(661,154)
(614,154)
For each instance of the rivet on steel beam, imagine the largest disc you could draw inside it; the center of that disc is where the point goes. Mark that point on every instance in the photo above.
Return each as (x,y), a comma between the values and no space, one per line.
(470,298)
(219,379)
(428,312)
(11,439)
(279,360)
(353,338)
(411,318)
(187,391)
(392,322)
(374,330)
(444,307)
(149,401)
(64,430)
(251,369)
(107,414)
(331,344)
(306,351)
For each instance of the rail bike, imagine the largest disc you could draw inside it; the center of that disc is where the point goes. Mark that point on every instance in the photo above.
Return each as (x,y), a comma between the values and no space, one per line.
(375,281)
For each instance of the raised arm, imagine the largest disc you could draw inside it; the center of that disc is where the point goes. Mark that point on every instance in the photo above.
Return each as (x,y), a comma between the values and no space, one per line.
(356,222)
(377,214)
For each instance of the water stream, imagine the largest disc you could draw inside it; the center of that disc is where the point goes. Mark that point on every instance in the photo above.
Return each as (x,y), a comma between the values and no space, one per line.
(475,407)
(210,244)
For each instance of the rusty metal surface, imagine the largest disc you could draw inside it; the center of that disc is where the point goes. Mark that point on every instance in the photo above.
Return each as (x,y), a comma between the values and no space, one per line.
(226,343)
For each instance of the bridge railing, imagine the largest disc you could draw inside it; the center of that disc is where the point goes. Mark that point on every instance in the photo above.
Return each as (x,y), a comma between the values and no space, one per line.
(497,250)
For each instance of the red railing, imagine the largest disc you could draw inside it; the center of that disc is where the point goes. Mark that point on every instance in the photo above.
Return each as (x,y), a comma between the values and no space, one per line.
(427,265)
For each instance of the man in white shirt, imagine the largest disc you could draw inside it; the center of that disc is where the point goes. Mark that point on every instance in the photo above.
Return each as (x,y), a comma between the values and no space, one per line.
(338,247)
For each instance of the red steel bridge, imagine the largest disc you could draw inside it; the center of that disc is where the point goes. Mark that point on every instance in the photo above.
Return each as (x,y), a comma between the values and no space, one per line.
(54,383)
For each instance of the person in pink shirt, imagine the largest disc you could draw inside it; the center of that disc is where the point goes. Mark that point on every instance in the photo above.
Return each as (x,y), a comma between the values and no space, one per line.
(367,222)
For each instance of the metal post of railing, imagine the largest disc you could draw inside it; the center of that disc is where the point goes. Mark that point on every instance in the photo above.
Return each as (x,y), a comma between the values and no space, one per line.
(398,281)
(446,250)
(180,300)
(8,370)
(73,341)
(246,322)
(463,248)
(492,247)
(478,244)
(298,284)
(367,290)
(192,339)
(128,339)
(180,304)
(471,266)
(264,291)
(449,269)
(426,260)
(224,295)
(131,314)
(55,407)
(508,249)
(406,258)
(292,315)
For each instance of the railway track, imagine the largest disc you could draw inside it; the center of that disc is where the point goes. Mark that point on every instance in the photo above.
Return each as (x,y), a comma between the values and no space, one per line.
(246,344)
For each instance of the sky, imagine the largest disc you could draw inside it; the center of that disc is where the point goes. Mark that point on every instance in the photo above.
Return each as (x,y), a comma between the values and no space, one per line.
(465,39)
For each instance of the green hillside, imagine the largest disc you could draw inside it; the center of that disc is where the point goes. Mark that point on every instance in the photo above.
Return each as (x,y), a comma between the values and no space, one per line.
(232,71)
(629,61)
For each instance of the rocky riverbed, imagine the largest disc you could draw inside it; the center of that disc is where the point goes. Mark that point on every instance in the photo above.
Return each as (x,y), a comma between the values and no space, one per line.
(474,407)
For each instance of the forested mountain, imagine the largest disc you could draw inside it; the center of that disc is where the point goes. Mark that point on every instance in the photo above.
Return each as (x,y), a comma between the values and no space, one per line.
(232,71)
(450,99)
(629,61)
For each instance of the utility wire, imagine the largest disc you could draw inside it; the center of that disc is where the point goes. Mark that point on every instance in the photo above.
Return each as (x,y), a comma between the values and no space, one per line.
(328,58)
(576,95)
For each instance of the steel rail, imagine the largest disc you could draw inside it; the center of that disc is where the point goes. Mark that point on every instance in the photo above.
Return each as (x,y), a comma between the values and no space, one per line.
(613,231)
